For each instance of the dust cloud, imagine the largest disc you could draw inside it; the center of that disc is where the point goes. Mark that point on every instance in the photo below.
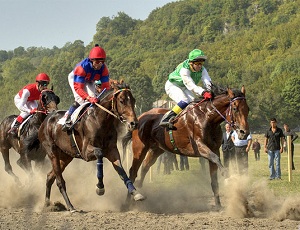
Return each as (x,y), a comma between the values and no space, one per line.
(240,197)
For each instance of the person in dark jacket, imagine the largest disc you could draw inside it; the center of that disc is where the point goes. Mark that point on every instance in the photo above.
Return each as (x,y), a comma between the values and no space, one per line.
(228,147)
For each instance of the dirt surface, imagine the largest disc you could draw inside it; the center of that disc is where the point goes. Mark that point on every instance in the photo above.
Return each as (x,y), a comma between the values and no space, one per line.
(171,206)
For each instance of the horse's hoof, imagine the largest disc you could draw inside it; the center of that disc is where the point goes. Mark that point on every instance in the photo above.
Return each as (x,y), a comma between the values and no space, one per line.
(137,196)
(100,191)
(73,210)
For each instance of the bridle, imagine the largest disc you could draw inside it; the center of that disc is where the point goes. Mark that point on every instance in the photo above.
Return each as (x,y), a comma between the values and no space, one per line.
(114,109)
(232,123)
(44,108)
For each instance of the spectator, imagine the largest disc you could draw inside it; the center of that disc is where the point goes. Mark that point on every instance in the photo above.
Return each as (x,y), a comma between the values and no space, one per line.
(242,148)
(294,136)
(274,139)
(256,149)
(228,148)
(184,163)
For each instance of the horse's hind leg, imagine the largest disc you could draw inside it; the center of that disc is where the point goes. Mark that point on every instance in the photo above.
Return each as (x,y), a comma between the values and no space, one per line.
(213,168)
(150,159)
(7,167)
(58,166)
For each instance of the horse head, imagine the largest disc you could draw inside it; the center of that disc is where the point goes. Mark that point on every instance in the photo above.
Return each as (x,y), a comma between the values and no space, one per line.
(49,101)
(123,104)
(237,113)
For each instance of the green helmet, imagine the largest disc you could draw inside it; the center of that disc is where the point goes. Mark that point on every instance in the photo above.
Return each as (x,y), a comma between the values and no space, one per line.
(196,55)
(98,82)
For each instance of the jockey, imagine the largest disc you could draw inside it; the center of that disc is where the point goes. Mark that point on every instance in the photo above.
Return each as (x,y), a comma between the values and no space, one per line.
(98,86)
(82,78)
(26,98)
(182,84)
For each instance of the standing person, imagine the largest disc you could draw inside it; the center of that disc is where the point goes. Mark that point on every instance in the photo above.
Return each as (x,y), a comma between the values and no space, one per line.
(228,147)
(26,98)
(184,163)
(274,139)
(242,148)
(82,78)
(256,149)
(182,84)
(294,136)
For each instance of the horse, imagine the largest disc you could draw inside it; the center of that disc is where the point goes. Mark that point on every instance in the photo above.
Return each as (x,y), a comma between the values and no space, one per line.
(93,137)
(47,103)
(197,133)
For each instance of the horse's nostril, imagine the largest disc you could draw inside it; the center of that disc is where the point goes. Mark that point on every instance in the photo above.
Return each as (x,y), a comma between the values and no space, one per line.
(242,131)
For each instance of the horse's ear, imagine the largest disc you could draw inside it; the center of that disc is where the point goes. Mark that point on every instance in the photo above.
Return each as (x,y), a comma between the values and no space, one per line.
(51,87)
(243,90)
(230,93)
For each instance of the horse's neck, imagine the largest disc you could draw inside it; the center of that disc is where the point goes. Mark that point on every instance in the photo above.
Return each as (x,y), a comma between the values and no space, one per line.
(213,110)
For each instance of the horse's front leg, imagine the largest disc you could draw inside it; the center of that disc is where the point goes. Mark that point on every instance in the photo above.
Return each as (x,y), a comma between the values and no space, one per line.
(100,190)
(114,157)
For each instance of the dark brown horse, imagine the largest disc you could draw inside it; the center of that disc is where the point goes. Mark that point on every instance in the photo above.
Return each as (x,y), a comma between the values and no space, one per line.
(48,103)
(95,137)
(198,133)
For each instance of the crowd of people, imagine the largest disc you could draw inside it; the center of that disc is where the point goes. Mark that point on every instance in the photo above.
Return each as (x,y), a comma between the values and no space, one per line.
(236,151)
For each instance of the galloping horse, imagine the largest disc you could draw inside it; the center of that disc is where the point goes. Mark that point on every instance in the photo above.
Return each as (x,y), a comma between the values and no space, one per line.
(93,137)
(198,133)
(47,103)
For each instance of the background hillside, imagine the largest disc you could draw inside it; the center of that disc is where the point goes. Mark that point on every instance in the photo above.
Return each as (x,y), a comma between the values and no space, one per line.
(251,43)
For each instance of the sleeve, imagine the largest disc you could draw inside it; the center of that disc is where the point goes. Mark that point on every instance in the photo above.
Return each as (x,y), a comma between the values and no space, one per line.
(105,79)
(295,136)
(79,82)
(21,106)
(206,80)
(189,82)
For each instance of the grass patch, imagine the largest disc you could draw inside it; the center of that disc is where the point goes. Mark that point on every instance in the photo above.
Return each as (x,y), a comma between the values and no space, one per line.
(258,170)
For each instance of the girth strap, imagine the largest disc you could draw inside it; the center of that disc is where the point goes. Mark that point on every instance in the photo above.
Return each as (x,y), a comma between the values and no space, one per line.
(173,142)
(74,144)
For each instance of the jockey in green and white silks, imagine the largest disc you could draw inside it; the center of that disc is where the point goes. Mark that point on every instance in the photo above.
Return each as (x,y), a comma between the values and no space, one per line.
(182,84)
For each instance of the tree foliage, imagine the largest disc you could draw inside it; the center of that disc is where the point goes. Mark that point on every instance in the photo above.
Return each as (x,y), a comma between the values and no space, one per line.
(255,43)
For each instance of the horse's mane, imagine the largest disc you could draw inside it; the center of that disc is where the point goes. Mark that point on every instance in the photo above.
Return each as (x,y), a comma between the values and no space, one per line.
(221,90)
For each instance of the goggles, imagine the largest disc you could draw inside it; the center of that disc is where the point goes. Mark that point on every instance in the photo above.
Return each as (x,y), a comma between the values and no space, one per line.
(44,83)
(98,60)
(200,62)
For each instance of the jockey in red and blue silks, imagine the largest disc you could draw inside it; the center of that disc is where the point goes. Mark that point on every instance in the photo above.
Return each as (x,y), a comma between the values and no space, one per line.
(82,79)
(25,99)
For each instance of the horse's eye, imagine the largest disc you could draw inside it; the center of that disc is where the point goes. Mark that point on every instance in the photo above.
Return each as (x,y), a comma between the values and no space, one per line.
(234,109)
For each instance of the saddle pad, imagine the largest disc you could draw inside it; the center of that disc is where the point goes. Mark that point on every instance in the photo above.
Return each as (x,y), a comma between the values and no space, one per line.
(22,124)
(75,114)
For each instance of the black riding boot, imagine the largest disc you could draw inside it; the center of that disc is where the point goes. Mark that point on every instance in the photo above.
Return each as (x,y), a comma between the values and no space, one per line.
(68,123)
(14,129)
(167,118)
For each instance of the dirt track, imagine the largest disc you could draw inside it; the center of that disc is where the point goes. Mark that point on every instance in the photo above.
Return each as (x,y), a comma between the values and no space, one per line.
(172,207)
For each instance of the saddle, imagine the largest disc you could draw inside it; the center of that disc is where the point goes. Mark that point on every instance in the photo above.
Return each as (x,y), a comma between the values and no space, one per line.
(76,114)
(22,124)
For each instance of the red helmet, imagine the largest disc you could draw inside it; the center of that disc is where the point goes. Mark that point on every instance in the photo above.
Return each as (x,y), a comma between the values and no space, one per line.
(97,52)
(42,77)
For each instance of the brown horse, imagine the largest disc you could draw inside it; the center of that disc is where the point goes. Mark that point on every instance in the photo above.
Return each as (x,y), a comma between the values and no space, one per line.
(47,103)
(198,133)
(93,137)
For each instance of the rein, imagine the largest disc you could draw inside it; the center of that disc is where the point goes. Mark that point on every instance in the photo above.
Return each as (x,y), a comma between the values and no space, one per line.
(181,114)
(228,111)
(113,105)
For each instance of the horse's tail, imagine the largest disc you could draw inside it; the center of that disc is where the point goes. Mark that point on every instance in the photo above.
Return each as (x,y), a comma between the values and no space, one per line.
(31,142)
(125,141)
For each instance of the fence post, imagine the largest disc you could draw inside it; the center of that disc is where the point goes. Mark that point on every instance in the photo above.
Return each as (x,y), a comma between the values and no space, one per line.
(289,151)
